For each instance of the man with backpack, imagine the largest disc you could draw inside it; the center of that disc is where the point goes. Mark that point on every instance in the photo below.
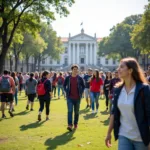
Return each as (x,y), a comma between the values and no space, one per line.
(7,90)
(60,82)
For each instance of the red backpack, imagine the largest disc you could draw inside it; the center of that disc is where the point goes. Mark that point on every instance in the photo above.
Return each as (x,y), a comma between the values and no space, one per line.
(40,88)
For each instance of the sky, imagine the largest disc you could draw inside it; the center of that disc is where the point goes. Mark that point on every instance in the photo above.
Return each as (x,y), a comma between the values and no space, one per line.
(98,16)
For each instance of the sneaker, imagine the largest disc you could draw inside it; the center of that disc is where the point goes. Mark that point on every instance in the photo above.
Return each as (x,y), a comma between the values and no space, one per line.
(13,110)
(27,107)
(93,112)
(11,114)
(69,128)
(75,126)
(58,97)
(31,109)
(3,116)
(39,118)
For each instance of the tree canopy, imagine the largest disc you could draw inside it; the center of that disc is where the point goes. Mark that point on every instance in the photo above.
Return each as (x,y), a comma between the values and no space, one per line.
(29,13)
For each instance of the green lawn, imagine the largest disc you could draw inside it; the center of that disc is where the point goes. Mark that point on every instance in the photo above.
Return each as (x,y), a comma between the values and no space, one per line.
(24,132)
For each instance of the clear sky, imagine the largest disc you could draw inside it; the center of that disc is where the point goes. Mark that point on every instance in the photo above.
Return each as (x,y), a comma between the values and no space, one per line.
(98,16)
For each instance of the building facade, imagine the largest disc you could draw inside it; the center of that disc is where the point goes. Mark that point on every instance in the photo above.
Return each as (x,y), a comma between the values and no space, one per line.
(80,49)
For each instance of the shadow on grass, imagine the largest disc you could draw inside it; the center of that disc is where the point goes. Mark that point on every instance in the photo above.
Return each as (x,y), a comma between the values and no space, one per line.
(31,125)
(105,112)
(22,113)
(90,116)
(105,122)
(84,111)
(59,140)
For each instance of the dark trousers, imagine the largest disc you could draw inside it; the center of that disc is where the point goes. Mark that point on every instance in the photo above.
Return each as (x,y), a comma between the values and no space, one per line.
(107,98)
(54,89)
(47,105)
(73,105)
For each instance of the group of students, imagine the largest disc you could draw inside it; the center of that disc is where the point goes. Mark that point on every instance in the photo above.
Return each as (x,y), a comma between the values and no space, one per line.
(127,90)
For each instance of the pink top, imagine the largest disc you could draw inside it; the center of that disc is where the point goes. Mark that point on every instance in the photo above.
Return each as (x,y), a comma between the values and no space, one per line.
(12,83)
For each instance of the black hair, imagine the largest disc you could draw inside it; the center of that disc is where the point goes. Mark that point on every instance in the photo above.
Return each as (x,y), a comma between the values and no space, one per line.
(45,73)
(74,66)
(54,76)
(31,76)
(5,72)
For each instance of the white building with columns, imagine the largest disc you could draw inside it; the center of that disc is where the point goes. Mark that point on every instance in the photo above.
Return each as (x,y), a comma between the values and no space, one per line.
(80,49)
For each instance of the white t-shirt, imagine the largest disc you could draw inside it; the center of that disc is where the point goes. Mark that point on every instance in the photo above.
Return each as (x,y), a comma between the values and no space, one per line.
(128,127)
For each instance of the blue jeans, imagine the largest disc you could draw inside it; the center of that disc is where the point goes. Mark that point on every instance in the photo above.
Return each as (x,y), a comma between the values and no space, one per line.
(127,144)
(94,99)
(60,87)
(16,96)
(73,105)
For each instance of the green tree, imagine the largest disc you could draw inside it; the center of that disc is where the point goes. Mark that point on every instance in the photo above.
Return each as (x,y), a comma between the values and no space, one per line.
(118,44)
(140,37)
(11,15)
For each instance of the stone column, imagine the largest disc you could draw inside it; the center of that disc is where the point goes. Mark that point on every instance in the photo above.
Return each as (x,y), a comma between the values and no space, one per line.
(73,51)
(69,54)
(86,53)
(78,51)
(91,51)
(95,53)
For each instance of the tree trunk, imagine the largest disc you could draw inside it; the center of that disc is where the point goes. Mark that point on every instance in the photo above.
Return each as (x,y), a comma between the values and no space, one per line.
(35,62)
(16,63)
(39,61)
(2,57)
(27,62)
(10,62)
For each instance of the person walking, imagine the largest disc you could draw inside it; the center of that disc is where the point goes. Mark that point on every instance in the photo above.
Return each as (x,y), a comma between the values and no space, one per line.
(74,88)
(44,91)
(106,88)
(130,116)
(60,82)
(31,84)
(87,79)
(96,87)
(7,90)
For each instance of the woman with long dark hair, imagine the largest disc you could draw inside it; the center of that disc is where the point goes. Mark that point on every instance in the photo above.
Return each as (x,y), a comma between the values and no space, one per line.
(13,74)
(130,116)
(31,84)
(96,86)
(106,87)
(44,91)
(54,81)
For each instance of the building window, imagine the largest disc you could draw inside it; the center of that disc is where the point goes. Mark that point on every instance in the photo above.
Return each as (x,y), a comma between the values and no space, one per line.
(98,61)
(66,50)
(66,61)
(106,61)
(114,61)
(82,50)
(43,61)
(51,61)
(82,60)
(58,61)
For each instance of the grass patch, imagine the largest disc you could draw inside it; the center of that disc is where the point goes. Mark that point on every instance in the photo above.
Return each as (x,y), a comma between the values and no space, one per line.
(24,132)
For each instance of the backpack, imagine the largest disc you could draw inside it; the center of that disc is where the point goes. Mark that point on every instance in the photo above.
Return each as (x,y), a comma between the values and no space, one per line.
(5,84)
(60,81)
(40,88)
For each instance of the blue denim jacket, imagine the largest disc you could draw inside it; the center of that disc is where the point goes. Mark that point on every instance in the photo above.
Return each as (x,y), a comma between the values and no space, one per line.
(81,86)
(141,110)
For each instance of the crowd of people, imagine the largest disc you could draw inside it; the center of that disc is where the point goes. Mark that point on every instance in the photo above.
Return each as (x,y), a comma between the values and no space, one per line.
(126,91)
